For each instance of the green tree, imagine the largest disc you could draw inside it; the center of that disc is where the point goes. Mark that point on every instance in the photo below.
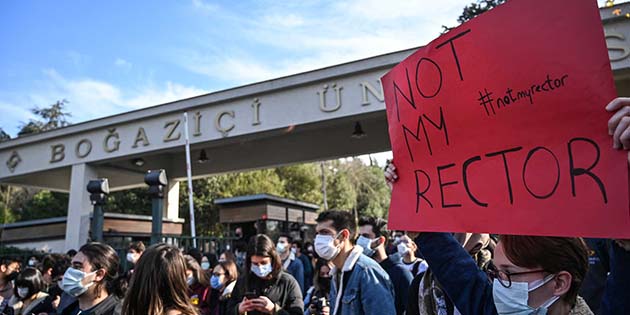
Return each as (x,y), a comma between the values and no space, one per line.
(19,204)
(4,136)
(45,204)
(132,201)
(341,193)
(49,118)
(474,9)
(301,182)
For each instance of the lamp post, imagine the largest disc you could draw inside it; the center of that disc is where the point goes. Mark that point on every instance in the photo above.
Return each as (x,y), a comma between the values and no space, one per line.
(156,179)
(98,189)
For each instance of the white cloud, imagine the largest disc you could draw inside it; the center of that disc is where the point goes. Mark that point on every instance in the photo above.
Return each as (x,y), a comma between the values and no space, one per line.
(90,98)
(159,95)
(284,21)
(123,63)
(302,37)
(200,4)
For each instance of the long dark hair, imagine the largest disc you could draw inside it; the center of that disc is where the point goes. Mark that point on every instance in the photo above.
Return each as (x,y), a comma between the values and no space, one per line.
(103,256)
(199,274)
(262,245)
(29,278)
(158,283)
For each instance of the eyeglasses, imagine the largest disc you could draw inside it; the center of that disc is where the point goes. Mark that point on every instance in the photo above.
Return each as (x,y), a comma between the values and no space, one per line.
(504,277)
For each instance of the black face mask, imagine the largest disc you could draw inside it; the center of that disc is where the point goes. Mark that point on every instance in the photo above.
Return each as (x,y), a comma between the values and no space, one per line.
(324,283)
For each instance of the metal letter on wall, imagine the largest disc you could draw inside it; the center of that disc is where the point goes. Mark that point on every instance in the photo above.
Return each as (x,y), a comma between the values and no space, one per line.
(322,98)
(625,50)
(217,123)
(141,136)
(197,128)
(256,108)
(111,134)
(365,87)
(170,127)
(85,143)
(57,153)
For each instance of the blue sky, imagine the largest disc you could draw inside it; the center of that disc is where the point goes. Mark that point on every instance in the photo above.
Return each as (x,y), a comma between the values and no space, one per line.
(109,57)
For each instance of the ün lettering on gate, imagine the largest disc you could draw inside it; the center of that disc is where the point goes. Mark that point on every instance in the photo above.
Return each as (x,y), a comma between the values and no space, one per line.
(499,126)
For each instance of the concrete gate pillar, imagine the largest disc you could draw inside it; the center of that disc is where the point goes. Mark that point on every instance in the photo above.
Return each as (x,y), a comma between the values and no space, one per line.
(79,206)
(171,204)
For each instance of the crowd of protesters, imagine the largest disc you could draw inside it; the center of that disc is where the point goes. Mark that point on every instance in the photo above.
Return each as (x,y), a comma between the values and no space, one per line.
(351,267)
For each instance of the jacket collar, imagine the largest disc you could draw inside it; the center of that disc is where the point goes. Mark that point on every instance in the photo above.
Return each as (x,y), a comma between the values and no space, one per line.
(351,260)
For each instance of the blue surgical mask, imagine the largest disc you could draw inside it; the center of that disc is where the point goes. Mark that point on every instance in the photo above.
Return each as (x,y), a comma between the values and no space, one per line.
(215,283)
(261,271)
(514,300)
(190,280)
(205,265)
(71,282)
(366,243)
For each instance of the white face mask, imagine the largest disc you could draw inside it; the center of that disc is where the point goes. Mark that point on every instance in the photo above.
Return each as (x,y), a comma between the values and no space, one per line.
(325,246)
(514,300)
(205,265)
(131,258)
(281,248)
(22,292)
(403,249)
(366,243)
(72,284)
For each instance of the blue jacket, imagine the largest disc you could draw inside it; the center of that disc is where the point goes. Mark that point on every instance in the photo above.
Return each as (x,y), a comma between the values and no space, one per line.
(296,269)
(471,291)
(401,279)
(368,291)
(617,294)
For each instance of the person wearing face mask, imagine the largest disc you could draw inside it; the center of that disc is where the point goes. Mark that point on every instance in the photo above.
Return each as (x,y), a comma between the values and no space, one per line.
(360,286)
(94,281)
(205,264)
(29,295)
(265,288)
(299,250)
(9,270)
(198,285)
(373,237)
(406,248)
(223,281)
(33,262)
(290,263)
(317,297)
(134,251)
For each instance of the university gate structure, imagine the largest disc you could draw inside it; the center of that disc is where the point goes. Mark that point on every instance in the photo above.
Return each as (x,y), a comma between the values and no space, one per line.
(304,117)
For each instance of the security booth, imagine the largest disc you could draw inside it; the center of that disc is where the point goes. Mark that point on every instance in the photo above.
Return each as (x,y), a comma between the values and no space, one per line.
(268,214)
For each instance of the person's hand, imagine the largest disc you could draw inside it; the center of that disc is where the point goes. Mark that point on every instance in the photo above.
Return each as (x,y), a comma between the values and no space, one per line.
(246,306)
(625,244)
(619,123)
(264,304)
(390,174)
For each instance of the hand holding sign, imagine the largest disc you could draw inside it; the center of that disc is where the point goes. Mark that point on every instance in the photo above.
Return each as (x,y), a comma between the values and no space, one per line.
(619,123)
(497,126)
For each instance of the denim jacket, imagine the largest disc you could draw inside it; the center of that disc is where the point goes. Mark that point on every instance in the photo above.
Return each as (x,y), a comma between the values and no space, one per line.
(369,290)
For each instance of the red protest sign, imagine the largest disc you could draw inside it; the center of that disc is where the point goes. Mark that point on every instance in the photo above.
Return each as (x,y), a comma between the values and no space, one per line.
(499,126)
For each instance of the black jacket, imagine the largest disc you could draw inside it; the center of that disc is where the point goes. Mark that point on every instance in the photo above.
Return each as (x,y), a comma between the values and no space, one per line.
(284,291)
(110,306)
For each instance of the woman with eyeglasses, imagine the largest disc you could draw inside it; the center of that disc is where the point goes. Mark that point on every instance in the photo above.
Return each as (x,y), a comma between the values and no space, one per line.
(532,274)
(222,281)
(265,288)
